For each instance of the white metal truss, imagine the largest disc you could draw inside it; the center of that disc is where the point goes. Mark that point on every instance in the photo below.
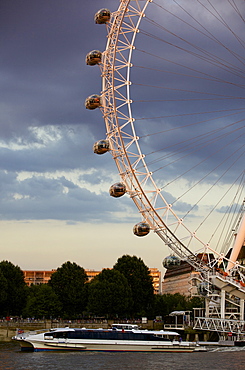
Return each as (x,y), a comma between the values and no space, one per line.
(221,325)
(224,303)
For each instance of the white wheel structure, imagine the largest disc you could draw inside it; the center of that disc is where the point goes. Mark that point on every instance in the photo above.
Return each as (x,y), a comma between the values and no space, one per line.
(187,96)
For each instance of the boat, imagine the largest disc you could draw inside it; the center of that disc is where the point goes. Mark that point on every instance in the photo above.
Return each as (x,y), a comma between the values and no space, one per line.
(120,337)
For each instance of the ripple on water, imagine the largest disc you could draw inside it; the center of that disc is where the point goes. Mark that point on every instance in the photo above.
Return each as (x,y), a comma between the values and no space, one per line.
(11,358)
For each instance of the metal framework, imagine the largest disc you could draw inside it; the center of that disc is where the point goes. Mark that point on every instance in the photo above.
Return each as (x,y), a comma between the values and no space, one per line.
(221,326)
(130,161)
(124,145)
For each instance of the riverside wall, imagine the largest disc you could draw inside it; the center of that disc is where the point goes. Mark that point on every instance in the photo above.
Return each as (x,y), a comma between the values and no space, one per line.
(9,329)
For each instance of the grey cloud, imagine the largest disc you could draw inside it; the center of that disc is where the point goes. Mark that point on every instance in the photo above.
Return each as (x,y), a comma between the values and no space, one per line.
(44,82)
(43,75)
(65,148)
(39,198)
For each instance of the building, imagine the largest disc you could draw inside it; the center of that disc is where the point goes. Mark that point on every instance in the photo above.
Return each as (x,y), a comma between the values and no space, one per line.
(178,275)
(156,279)
(91,274)
(177,279)
(37,277)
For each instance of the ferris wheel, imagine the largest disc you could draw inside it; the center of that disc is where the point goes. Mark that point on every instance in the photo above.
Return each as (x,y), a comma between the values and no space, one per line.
(173,93)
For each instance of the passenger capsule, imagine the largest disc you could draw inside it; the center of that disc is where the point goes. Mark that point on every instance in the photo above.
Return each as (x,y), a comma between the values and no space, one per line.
(93,102)
(170,262)
(141,229)
(117,190)
(93,57)
(102,16)
(101,146)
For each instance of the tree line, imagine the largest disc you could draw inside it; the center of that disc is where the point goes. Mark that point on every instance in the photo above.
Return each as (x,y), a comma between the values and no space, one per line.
(125,291)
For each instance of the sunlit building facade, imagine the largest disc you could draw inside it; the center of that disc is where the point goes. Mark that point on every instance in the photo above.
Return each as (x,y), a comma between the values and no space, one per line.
(37,277)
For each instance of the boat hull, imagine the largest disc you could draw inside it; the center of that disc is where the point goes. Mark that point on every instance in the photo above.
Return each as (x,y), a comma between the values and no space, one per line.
(107,347)
(110,340)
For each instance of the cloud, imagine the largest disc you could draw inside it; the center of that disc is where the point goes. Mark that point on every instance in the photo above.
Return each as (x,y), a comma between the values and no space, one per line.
(52,148)
(47,164)
(40,198)
(42,70)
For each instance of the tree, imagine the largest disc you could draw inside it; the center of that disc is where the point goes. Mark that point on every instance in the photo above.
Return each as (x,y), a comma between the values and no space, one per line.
(42,302)
(3,291)
(166,303)
(160,307)
(13,289)
(109,294)
(68,282)
(140,282)
(195,302)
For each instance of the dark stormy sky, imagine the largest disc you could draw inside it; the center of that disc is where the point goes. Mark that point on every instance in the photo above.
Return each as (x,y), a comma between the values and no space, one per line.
(54,202)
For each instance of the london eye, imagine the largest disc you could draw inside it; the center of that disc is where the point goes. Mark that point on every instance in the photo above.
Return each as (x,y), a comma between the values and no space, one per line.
(172,99)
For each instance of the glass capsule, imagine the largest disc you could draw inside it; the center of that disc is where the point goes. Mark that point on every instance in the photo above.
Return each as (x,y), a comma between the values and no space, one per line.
(117,190)
(101,146)
(141,229)
(93,57)
(102,16)
(93,102)
(171,262)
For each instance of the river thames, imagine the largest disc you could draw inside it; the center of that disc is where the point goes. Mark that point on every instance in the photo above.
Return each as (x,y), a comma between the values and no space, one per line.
(11,358)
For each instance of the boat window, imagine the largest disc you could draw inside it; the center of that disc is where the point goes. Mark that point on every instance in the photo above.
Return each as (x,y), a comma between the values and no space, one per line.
(62,334)
(162,337)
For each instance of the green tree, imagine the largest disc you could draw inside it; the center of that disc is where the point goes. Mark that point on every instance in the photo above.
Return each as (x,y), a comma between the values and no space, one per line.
(166,303)
(160,307)
(195,302)
(140,282)
(13,289)
(174,302)
(68,283)
(3,291)
(109,294)
(42,302)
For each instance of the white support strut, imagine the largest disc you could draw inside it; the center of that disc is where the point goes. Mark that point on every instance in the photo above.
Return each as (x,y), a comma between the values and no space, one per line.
(239,241)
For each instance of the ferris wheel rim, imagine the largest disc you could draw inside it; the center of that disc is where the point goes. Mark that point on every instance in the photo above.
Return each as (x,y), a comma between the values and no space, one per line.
(119,149)
(159,227)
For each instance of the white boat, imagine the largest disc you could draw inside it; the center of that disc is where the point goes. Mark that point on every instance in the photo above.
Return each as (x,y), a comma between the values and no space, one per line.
(121,337)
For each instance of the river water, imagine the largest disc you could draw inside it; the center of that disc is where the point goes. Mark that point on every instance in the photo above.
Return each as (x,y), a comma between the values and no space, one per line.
(11,358)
